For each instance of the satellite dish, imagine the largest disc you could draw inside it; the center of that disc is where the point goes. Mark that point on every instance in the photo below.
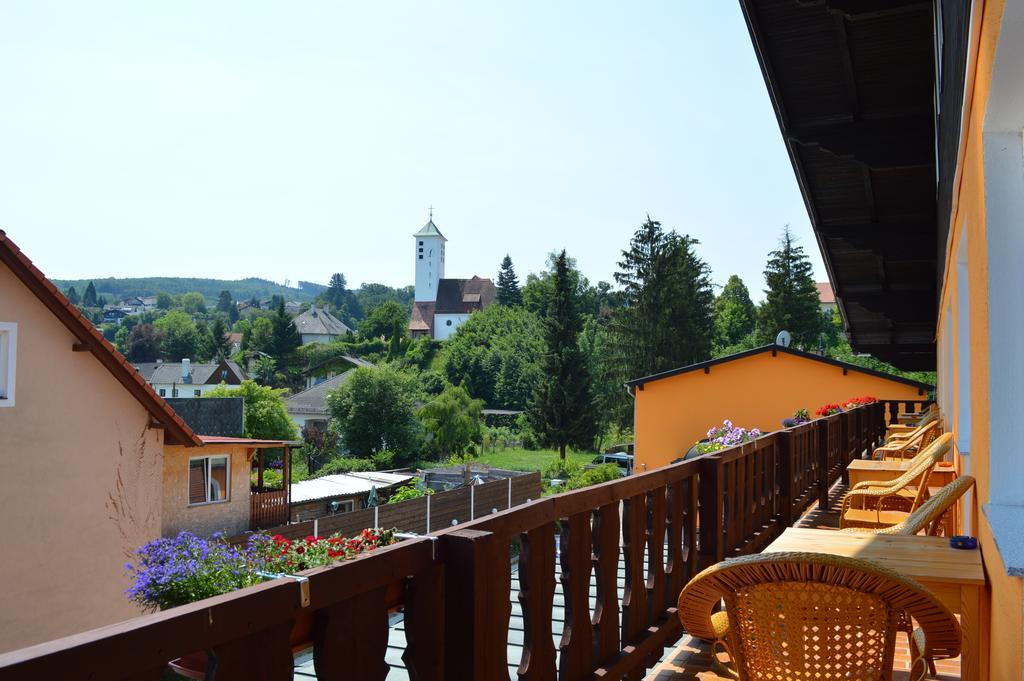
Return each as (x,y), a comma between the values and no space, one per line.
(783,339)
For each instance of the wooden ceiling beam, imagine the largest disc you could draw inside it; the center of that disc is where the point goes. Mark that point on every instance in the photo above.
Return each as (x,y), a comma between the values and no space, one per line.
(868,9)
(904,142)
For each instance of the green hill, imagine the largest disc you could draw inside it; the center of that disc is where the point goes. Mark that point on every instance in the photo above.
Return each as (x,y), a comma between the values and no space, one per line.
(241,289)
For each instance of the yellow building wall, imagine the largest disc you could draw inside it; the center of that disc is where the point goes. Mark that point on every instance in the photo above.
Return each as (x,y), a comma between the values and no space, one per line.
(79,481)
(968,222)
(758,391)
(230,516)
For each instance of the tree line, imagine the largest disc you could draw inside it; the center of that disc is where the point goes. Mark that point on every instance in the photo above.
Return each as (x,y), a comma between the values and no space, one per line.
(559,349)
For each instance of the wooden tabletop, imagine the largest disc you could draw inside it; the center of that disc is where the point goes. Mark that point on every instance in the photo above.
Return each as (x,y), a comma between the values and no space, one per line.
(901,465)
(928,559)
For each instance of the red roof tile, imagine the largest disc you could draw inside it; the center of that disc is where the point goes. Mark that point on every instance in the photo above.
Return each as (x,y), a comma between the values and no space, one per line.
(176,431)
(825,294)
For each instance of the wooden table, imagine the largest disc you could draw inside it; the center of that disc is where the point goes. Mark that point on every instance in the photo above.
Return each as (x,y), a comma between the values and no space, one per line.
(861,470)
(957,578)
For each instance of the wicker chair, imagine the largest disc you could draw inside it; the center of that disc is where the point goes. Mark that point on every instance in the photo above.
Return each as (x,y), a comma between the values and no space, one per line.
(815,616)
(896,431)
(906,447)
(929,515)
(882,504)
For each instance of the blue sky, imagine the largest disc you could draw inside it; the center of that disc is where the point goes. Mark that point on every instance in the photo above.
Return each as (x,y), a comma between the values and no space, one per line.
(293,140)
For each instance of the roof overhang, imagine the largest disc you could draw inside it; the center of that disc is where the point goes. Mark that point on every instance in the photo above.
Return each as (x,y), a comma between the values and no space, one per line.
(775,350)
(852,84)
(176,431)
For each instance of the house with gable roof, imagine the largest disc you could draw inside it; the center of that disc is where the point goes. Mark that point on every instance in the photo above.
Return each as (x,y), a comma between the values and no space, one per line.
(82,439)
(317,325)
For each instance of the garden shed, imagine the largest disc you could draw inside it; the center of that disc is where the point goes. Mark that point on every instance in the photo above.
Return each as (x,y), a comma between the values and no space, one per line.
(753,389)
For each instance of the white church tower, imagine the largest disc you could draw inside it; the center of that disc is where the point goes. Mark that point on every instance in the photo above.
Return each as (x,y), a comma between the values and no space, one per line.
(429,260)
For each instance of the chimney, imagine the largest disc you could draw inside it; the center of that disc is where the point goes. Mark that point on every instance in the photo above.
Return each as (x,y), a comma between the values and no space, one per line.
(186,370)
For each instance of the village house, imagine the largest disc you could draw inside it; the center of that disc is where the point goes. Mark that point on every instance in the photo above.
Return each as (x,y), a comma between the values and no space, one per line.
(317,325)
(673,410)
(190,379)
(82,437)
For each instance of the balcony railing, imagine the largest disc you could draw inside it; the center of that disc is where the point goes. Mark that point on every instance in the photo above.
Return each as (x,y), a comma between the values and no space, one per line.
(453,586)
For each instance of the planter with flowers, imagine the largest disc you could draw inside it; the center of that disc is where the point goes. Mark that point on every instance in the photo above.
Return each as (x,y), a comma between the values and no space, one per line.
(180,570)
(798,418)
(829,410)
(725,436)
(855,402)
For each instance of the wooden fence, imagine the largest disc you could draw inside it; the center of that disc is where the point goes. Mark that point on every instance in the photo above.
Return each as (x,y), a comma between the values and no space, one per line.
(267,508)
(422,515)
(454,584)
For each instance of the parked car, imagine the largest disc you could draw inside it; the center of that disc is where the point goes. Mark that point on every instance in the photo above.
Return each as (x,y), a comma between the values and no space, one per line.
(620,459)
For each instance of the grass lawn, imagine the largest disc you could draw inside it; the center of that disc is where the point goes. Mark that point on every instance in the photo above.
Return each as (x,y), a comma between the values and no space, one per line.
(530,460)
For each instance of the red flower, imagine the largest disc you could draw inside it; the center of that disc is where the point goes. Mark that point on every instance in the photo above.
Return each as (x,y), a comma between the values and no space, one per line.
(300,549)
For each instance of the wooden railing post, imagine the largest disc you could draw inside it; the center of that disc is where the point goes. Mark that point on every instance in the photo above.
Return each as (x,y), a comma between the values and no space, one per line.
(786,492)
(477,608)
(712,502)
(846,424)
(822,454)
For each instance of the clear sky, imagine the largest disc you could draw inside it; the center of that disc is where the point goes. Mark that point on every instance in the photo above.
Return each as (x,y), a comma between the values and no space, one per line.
(293,140)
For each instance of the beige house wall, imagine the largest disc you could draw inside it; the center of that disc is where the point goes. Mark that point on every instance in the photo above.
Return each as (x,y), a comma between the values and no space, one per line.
(230,517)
(81,467)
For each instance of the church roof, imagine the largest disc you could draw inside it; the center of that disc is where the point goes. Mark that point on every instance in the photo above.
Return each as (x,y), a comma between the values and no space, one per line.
(461,296)
(430,229)
(422,316)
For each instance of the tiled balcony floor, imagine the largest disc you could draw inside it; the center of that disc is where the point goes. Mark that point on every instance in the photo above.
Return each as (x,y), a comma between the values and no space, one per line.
(691,659)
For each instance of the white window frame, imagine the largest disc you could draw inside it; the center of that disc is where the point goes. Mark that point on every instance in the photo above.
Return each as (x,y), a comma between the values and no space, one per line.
(209,463)
(8,362)
(344,506)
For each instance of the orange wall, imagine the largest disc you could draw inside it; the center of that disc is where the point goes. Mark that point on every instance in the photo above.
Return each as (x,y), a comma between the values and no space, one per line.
(79,482)
(753,392)
(968,222)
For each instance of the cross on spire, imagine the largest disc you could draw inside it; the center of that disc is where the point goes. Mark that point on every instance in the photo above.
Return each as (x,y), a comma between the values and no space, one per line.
(431,211)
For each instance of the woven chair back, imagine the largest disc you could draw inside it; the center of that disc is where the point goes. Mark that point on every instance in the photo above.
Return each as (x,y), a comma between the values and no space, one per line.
(929,515)
(814,616)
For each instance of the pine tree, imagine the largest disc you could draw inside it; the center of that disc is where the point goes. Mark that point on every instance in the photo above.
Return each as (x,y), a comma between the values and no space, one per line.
(89,299)
(509,292)
(220,346)
(286,338)
(336,293)
(791,299)
(225,302)
(73,296)
(735,314)
(561,412)
(667,318)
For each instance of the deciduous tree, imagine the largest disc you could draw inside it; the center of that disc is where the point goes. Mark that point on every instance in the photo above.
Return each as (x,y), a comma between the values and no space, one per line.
(495,355)
(735,314)
(180,337)
(143,343)
(384,320)
(375,411)
(452,420)
(266,416)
